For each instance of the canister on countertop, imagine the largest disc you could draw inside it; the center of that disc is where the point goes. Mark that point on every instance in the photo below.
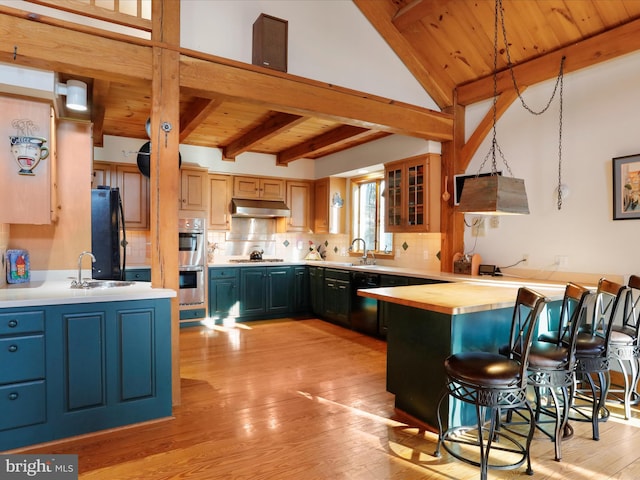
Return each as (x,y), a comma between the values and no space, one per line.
(18,266)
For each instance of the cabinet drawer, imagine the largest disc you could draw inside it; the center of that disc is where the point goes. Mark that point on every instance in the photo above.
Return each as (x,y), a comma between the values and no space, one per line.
(22,358)
(22,404)
(21,322)
(192,314)
(336,274)
(222,273)
(138,275)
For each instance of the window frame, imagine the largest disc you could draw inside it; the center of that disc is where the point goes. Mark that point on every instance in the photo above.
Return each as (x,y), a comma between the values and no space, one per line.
(356,182)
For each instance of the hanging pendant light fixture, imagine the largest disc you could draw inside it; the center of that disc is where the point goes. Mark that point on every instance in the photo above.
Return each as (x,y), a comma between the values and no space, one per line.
(496,194)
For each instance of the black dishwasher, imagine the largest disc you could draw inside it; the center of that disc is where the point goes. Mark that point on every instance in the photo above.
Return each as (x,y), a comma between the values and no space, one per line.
(364,310)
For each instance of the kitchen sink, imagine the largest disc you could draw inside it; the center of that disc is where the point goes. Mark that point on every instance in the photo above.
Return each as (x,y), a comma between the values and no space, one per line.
(104,284)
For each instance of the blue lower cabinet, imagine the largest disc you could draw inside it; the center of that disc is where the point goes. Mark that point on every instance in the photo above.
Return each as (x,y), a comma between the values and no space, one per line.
(107,365)
(224,293)
(138,274)
(301,290)
(265,292)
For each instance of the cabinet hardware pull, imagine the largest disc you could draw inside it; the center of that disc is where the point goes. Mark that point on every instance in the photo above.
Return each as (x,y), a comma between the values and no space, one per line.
(13,323)
(13,396)
(13,348)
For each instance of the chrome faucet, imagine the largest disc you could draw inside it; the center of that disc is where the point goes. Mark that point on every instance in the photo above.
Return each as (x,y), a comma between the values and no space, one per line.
(78,283)
(364,248)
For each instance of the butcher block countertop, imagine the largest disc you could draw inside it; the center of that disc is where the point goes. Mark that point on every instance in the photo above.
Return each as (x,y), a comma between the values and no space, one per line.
(460,297)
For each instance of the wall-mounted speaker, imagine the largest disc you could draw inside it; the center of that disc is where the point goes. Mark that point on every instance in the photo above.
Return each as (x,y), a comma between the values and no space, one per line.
(270,42)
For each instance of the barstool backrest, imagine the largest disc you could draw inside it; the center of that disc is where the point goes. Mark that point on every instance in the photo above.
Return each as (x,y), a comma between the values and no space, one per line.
(526,312)
(605,310)
(573,314)
(631,317)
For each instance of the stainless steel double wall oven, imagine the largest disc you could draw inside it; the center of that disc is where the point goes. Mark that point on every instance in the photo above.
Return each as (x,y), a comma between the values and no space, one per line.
(191,261)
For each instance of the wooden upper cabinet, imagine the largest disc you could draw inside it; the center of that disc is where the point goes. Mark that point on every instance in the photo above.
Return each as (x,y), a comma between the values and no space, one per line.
(134,192)
(326,218)
(265,188)
(101,174)
(299,200)
(133,187)
(412,194)
(194,183)
(220,191)
(27,197)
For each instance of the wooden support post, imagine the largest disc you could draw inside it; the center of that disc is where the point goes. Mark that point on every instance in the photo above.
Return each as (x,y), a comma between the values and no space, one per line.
(164,178)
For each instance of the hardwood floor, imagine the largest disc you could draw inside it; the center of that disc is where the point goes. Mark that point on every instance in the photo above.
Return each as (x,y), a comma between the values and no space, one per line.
(305,399)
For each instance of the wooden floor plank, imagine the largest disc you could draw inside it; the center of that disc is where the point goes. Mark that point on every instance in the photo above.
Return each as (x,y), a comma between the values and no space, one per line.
(305,399)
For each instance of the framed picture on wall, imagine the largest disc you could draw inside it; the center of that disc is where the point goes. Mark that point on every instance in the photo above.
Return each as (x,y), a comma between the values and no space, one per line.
(626,187)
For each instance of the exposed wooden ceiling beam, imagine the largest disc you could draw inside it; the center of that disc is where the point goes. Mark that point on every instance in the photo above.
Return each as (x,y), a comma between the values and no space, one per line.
(274,125)
(290,94)
(504,100)
(327,142)
(51,47)
(599,48)
(99,91)
(195,114)
(428,74)
(417,10)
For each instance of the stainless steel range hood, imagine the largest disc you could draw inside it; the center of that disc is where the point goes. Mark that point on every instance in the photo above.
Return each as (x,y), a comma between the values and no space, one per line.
(259,208)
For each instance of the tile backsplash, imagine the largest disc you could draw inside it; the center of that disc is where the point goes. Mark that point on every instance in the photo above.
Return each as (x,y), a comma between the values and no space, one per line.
(411,250)
(422,249)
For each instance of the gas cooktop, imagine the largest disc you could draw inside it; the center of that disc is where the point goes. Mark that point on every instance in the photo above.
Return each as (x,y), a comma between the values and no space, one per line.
(262,260)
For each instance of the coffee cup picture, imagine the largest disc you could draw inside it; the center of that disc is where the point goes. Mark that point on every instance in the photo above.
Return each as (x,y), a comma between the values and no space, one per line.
(28,151)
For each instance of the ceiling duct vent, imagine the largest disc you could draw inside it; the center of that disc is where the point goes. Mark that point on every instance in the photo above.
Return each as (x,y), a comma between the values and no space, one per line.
(259,208)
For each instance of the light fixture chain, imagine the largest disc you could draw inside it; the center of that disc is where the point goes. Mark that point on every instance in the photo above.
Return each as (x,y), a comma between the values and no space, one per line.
(561,77)
(511,71)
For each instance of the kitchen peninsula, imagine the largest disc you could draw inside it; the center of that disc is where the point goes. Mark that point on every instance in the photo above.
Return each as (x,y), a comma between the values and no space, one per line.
(427,323)
(76,361)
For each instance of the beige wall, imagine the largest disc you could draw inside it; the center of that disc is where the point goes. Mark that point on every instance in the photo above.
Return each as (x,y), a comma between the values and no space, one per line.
(57,246)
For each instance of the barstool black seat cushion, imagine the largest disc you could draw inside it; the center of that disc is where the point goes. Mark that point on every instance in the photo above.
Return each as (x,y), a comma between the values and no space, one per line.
(483,368)
(551,336)
(548,355)
(588,345)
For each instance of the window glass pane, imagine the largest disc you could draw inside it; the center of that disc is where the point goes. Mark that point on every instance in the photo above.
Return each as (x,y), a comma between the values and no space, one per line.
(368,220)
(368,217)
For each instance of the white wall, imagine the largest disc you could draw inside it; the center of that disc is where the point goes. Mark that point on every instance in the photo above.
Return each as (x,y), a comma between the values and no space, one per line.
(329,41)
(601,106)
(121,149)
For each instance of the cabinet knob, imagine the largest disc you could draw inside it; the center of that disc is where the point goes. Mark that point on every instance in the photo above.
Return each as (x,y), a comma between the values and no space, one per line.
(13,348)
(13,323)
(13,396)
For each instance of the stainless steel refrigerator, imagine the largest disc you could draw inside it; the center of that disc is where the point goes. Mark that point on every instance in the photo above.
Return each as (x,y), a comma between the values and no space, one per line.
(107,234)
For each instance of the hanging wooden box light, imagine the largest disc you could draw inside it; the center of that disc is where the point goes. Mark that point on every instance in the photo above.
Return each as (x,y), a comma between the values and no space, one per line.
(494,195)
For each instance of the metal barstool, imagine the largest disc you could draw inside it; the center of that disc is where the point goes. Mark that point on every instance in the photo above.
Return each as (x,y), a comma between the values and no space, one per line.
(493,383)
(552,365)
(592,354)
(625,348)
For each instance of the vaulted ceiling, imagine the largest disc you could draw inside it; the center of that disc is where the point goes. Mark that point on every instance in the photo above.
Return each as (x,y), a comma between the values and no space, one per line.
(448,45)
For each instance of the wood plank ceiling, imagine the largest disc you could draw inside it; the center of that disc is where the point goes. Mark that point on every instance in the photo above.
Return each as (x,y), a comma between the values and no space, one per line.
(448,45)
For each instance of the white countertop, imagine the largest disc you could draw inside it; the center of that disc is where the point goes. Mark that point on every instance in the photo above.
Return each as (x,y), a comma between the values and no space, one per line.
(58,292)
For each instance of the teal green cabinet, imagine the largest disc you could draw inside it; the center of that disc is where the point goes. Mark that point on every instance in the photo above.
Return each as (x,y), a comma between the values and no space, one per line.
(337,296)
(253,299)
(265,291)
(316,289)
(22,376)
(88,367)
(138,274)
(301,292)
(224,293)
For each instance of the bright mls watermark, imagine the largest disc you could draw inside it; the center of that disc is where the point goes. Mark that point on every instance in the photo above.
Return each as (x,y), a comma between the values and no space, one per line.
(50,467)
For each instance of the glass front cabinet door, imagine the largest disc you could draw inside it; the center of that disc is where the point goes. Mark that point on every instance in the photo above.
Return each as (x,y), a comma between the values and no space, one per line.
(407,194)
